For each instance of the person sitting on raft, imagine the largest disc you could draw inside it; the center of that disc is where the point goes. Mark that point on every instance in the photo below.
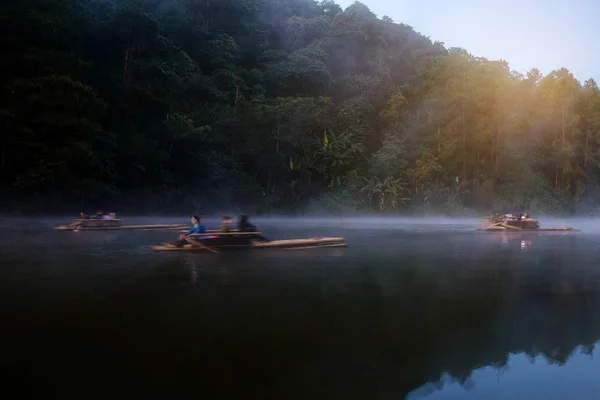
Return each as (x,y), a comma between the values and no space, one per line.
(496,218)
(245,226)
(111,215)
(195,229)
(520,216)
(225,225)
(99,215)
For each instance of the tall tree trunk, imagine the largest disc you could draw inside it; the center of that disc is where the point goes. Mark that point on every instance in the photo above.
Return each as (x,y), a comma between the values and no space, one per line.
(3,163)
(464,127)
(235,101)
(128,57)
(276,152)
(587,145)
(439,140)
(497,155)
(562,146)
(477,171)
(278,136)
(208,20)
(564,124)
(126,66)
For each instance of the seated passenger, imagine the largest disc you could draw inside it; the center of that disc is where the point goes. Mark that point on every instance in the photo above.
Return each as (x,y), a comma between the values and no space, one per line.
(111,215)
(195,229)
(99,214)
(496,218)
(245,226)
(225,225)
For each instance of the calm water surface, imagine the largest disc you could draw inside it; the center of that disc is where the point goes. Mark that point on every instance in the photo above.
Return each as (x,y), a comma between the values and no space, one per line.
(411,309)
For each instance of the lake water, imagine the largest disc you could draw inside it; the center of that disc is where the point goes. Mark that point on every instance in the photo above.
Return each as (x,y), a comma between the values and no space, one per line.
(412,309)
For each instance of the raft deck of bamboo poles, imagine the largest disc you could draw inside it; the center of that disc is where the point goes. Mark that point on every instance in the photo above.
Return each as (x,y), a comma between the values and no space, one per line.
(310,243)
(520,226)
(113,224)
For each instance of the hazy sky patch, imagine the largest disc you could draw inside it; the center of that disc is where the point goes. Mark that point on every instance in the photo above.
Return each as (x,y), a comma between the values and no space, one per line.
(545,34)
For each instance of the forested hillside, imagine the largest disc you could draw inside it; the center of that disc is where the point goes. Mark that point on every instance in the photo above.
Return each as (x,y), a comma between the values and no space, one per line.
(197,105)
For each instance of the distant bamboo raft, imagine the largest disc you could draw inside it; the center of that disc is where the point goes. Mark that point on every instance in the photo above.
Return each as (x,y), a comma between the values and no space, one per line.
(520,226)
(112,224)
(232,231)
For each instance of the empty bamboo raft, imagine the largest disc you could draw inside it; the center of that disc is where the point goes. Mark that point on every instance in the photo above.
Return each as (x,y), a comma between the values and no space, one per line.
(112,224)
(286,244)
(520,226)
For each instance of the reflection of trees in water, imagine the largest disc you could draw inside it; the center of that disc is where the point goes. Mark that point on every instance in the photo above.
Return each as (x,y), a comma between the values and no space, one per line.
(588,349)
(500,369)
(546,309)
(391,327)
(375,326)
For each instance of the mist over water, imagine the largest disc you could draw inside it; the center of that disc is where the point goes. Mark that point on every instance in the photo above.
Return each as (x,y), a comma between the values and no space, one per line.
(588,225)
(413,308)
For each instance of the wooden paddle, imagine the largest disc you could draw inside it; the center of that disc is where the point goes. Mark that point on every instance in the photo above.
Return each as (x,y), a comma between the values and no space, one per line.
(198,244)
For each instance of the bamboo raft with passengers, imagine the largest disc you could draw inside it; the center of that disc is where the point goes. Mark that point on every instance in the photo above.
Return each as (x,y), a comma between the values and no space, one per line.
(213,242)
(245,237)
(521,223)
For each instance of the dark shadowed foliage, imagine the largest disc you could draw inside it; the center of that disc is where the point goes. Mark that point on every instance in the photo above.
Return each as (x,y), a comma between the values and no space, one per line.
(276,105)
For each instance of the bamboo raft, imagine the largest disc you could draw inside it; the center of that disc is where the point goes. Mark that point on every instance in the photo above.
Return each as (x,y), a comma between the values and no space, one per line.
(112,224)
(243,240)
(520,226)
(232,231)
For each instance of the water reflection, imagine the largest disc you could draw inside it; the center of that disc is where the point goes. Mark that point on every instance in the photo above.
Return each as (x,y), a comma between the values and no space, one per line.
(546,311)
(529,377)
(447,316)
(193,266)
(438,314)
(525,244)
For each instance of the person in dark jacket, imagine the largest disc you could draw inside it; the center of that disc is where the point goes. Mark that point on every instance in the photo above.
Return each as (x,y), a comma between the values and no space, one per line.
(99,214)
(245,226)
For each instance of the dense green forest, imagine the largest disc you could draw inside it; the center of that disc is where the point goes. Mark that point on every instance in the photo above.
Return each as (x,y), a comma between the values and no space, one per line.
(277,105)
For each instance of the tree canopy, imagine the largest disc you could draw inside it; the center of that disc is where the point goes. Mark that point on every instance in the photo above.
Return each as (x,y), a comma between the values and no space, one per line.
(277,105)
